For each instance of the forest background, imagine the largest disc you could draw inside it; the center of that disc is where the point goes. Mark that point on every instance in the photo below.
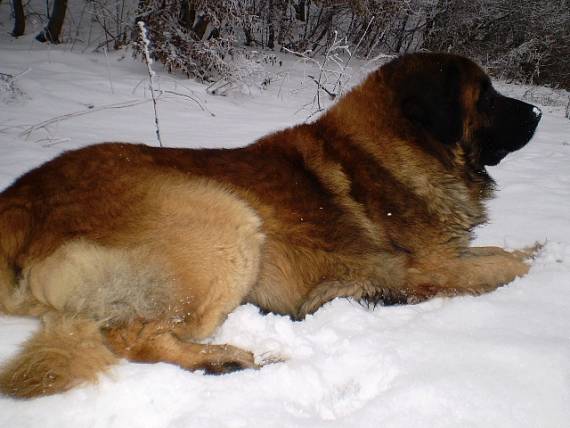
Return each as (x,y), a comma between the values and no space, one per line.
(525,41)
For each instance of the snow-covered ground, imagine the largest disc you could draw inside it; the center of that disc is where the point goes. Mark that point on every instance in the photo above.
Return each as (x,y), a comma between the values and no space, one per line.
(499,360)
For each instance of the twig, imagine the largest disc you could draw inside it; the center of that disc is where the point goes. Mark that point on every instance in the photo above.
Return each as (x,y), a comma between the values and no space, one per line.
(191,98)
(329,55)
(331,94)
(151,75)
(217,90)
(63,117)
(193,95)
(285,76)
(379,57)
(137,86)
(108,70)
(49,142)
(11,77)
(345,65)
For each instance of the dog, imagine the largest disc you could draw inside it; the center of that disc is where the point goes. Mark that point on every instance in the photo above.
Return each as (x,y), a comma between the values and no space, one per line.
(130,251)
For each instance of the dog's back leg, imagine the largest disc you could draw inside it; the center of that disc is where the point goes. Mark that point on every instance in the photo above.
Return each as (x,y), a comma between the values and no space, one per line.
(156,341)
(67,351)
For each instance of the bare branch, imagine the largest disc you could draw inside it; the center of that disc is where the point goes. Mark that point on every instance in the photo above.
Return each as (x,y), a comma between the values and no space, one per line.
(91,109)
(151,74)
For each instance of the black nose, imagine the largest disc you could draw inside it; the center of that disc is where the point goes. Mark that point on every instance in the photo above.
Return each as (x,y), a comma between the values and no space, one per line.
(530,121)
(537,112)
(534,116)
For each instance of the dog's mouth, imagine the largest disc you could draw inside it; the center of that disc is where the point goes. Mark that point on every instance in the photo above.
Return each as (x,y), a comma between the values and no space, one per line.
(495,157)
(512,124)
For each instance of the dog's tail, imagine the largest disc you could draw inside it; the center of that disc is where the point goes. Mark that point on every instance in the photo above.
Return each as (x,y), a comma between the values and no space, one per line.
(67,351)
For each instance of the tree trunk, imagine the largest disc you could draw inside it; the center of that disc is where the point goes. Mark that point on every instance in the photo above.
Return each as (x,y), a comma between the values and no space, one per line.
(401,34)
(53,30)
(187,14)
(20,18)
(284,23)
(300,11)
(201,26)
(270,25)
(249,40)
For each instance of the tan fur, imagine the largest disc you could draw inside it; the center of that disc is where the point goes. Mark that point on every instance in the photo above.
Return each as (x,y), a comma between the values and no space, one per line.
(64,353)
(211,240)
(105,284)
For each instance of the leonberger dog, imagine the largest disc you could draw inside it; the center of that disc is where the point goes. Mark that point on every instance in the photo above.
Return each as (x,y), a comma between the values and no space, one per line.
(131,251)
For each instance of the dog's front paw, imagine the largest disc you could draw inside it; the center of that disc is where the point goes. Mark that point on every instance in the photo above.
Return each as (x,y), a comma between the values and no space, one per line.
(530,252)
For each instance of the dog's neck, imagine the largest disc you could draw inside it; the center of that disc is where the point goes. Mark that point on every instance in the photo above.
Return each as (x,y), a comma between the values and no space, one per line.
(459,203)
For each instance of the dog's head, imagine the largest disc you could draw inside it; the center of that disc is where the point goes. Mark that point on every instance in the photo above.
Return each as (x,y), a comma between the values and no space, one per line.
(450,99)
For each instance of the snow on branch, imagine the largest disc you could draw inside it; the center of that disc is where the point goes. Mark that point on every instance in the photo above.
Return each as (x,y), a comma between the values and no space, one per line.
(151,75)
(331,68)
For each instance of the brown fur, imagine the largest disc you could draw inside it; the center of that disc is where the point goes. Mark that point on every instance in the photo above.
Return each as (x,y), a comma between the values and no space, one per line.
(145,251)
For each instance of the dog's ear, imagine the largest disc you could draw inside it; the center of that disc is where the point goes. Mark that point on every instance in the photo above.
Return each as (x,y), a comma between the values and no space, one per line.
(430,100)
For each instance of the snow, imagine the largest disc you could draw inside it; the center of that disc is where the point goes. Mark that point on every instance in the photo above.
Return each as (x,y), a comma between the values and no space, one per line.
(501,359)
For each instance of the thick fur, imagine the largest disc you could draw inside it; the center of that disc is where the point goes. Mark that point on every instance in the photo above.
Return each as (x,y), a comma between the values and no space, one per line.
(65,352)
(144,251)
